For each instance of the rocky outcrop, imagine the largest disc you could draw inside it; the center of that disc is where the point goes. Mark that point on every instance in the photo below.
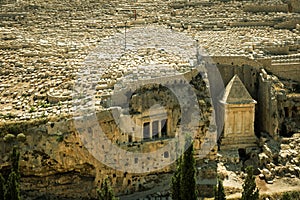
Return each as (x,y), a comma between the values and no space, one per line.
(279,158)
(54,163)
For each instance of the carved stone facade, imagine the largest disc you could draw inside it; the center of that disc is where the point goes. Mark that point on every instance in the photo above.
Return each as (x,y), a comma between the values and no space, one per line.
(238,108)
(152,124)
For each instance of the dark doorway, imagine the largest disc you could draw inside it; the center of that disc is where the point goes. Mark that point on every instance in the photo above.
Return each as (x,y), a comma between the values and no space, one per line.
(129,138)
(164,129)
(242,154)
(146,130)
(155,129)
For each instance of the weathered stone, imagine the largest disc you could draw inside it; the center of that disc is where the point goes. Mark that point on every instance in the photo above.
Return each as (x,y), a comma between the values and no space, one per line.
(267,174)
(238,108)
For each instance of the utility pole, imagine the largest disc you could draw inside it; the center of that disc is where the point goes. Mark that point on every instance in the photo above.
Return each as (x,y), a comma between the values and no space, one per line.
(125,35)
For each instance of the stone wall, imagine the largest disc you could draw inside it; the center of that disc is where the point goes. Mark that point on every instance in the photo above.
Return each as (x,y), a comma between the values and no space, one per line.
(266,8)
(289,113)
(245,68)
(267,105)
(285,70)
(251,23)
(285,67)
(235,60)
(294,5)
(3,2)
(288,24)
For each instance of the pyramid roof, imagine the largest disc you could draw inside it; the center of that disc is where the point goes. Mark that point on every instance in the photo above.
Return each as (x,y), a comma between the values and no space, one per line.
(236,93)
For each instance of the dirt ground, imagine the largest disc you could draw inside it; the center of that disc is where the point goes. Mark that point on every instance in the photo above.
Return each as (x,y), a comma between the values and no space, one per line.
(280,185)
(233,187)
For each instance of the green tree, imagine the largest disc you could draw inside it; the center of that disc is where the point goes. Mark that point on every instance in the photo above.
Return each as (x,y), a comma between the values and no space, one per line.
(12,191)
(250,191)
(220,192)
(286,196)
(12,188)
(175,187)
(2,187)
(187,179)
(15,156)
(106,192)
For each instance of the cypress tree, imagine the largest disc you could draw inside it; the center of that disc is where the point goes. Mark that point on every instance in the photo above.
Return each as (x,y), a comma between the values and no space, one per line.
(12,191)
(2,187)
(187,179)
(250,191)
(15,162)
(12,188)
(175,187)
(220,192)
(106,192)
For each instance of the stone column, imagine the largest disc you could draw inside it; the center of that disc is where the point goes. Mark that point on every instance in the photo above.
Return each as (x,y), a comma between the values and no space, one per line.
(252,119)
(242,117)
(159,128)
(142,132)
(248,122)
(150,129)
(132,136)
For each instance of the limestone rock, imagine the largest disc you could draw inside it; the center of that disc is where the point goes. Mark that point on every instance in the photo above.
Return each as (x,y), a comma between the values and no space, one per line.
(267,174)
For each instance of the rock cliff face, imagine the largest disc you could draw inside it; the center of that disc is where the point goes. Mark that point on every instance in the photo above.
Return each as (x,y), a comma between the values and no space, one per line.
(53,161)
(278,105)
(56,164)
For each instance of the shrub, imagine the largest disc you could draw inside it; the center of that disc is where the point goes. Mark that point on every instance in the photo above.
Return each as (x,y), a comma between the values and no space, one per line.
(21,137)
(106,192)
(8,137)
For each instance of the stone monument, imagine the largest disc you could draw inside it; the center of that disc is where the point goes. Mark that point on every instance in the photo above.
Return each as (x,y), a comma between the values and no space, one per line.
(238,108)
